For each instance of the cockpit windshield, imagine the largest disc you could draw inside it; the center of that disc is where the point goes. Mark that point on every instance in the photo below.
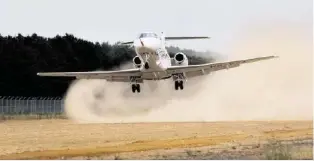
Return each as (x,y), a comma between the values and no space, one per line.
(144,35)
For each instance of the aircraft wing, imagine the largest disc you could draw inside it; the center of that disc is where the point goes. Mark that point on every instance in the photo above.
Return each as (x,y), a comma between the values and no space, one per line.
(203,69)
(124,75)
(117,76)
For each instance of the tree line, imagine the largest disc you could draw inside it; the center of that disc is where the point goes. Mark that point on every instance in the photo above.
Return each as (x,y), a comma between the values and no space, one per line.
(21,57)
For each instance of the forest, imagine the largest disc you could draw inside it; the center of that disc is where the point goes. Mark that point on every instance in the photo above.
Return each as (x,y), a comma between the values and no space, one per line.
(21,57)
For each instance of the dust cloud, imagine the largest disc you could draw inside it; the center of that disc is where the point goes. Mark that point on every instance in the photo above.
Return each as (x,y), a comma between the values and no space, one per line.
(277,89)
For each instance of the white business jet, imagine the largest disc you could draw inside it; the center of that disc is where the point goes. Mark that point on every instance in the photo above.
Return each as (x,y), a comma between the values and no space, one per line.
(154,63)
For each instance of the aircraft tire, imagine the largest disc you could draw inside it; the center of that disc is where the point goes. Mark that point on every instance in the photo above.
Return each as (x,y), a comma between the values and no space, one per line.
(181,85)
(176,85)
(146,66)
(138,88)
(133,88)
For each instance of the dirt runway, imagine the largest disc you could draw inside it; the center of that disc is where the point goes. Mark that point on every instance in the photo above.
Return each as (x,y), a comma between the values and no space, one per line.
(63,138)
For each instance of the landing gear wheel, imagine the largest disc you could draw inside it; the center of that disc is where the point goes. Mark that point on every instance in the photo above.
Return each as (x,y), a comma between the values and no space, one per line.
(178,84)
(181,85)
(136,87)
(133,88)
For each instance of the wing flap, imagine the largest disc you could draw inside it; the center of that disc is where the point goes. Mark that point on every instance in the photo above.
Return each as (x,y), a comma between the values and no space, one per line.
(110,75)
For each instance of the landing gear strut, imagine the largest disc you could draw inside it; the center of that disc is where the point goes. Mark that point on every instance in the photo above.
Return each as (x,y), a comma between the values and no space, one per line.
(147,56)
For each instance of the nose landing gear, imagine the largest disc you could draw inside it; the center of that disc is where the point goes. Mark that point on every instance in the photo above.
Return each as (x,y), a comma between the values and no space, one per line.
(147,57)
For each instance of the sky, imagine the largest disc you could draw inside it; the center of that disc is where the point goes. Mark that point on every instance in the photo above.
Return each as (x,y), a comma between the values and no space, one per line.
(123,20)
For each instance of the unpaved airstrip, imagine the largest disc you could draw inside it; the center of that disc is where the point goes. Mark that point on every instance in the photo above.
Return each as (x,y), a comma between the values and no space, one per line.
(55,139)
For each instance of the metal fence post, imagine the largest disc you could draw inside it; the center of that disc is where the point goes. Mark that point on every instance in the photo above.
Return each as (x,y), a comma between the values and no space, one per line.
(2,104)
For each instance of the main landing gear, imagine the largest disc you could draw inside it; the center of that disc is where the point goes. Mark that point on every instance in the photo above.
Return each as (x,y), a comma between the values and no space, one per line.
(178,81)
(178,84)
(136,87)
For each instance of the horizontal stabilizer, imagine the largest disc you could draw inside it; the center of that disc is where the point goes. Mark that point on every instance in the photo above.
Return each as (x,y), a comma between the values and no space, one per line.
(127,43)
(175,38)
(186,37)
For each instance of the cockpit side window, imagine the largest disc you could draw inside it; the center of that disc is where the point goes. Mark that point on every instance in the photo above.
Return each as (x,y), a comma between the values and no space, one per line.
(142,35)
(154,35)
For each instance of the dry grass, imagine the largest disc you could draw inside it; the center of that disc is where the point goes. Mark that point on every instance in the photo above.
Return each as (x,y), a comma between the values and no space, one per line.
(297,150)
(275,150)
(287,150)
(48,139)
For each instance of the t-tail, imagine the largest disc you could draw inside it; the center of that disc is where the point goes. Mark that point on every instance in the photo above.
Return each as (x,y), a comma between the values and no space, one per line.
(186,37)
(163,39)
(167,38)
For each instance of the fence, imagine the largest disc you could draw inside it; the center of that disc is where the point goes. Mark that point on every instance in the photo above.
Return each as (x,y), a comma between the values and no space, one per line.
(30,105)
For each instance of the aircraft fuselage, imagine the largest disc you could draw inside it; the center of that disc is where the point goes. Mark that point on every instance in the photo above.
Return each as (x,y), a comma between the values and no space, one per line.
(154,57)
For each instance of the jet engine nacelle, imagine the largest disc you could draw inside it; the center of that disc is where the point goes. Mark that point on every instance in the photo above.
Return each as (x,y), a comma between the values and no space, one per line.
(180,59)
(137,62)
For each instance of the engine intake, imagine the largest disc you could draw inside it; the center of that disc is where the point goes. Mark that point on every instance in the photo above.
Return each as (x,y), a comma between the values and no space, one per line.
(180,59)
(137,62)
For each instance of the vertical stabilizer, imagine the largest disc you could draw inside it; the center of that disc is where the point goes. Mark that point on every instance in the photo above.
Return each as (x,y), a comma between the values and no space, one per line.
(163,39)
